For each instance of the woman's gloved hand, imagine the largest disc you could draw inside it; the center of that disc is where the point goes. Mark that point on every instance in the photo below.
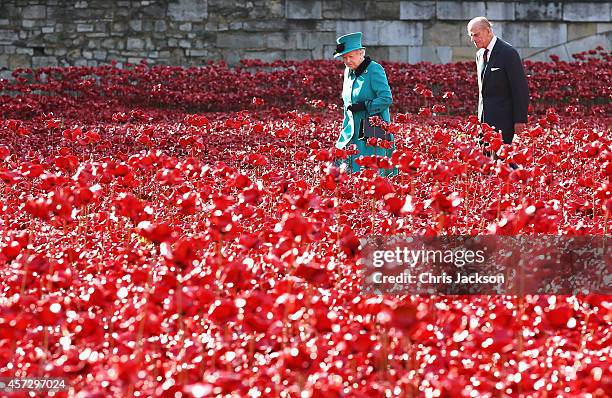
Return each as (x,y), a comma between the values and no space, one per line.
(357,107)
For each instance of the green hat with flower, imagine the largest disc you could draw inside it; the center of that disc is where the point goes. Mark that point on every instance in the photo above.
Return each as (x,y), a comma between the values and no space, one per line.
(348,43)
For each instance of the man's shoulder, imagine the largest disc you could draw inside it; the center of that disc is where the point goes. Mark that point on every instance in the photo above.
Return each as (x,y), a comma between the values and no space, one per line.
(505,46)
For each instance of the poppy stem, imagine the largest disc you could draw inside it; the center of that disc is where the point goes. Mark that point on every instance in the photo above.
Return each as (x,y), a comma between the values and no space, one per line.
(251,349)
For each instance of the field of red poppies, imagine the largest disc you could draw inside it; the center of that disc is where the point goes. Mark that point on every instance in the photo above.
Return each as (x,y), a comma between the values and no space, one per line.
(183,232)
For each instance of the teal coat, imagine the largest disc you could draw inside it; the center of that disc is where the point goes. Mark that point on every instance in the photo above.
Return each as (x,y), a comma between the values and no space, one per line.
(372,88)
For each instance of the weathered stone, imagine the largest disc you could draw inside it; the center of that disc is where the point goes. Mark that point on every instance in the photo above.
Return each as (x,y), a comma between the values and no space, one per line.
(299,55)
(155,11)
(75,53)
(378,52)
(198,53)
(19,61)
(184,44)
(60,27)
(526,52)
(326,26)
(544,55)
(281,40)
(578,30)
(134,43)
(100,55)
(310,40)
(135,25)
(4,22)
(331,9)
(588,43)
(464,54)
(352,10)
(438,55)
(456,10)
(239,40)
(87,54)
(160,26)
(101,27)
(547,34)
(188,10)
(323,52)
(38,62)
(27,23)
(261,26)
(395,33)
(275,9)
(398,54)
(515,33)
(48,29)
(97,34)
(604,27)
(303,9)
(80,4)
(384,33)
(34,12)
(267,56)
(443,33)
(499,11)
(8,36)
(25,51)
(108,43)
(149,44)
(235,26)
(122,12)
(413,10)
(377,9)
(84,27)
(592,12)
(3,59)
(539,11)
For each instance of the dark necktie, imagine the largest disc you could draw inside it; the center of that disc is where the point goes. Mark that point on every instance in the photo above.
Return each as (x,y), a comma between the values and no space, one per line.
(485,59)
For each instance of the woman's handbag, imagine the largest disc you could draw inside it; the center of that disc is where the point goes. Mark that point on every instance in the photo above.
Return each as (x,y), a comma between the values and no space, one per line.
(367,130)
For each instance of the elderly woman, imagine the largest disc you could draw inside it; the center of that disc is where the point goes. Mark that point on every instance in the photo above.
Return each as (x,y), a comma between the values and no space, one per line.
(365,93)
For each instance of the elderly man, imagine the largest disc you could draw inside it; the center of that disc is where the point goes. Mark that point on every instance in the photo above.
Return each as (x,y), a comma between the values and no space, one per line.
(502,86)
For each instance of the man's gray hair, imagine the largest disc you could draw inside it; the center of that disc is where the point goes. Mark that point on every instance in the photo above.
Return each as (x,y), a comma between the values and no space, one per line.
(480,22)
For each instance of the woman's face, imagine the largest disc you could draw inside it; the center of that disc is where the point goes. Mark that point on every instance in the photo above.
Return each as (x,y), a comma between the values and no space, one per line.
(353,59)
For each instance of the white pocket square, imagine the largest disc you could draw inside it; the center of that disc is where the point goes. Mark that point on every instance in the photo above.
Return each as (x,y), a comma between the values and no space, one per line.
(494,69)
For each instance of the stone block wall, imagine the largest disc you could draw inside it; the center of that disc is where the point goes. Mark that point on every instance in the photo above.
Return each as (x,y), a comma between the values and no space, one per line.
(37,33)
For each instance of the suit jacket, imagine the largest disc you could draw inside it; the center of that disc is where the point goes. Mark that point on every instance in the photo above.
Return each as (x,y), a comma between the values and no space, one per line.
(371,87)
(503,91)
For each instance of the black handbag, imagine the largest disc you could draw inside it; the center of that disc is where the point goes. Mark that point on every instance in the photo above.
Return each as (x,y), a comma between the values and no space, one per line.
(366,131)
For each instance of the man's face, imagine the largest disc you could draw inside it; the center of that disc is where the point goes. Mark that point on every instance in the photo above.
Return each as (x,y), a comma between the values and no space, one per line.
(480,36)
(353,59)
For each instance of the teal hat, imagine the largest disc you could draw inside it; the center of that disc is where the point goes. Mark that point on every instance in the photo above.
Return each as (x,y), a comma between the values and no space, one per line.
(348,43)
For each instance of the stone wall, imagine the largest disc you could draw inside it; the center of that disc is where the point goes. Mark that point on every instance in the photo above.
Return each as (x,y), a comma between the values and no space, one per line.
(37,33)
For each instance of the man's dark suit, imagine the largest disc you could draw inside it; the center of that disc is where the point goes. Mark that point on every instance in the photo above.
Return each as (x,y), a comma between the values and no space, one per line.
(503,91)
